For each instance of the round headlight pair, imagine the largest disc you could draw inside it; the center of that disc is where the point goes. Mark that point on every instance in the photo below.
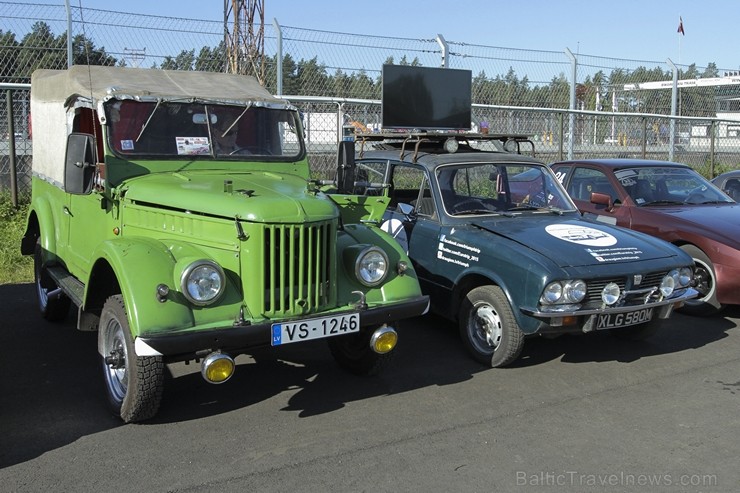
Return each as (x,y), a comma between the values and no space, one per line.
(371,266)
(202,282)
(570,291)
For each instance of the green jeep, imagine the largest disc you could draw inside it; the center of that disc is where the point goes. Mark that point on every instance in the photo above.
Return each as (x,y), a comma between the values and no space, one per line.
(176,212)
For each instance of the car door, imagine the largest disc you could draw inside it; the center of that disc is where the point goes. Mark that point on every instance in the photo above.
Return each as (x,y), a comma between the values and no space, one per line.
(582,181)
(413,218)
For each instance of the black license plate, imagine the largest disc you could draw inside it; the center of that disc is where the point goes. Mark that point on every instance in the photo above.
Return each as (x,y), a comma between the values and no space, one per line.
(616,320)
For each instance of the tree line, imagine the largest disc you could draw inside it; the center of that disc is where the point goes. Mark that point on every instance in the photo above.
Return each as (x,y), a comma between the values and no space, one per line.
(40,48)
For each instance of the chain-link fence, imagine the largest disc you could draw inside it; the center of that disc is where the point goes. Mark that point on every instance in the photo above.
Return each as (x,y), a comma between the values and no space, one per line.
(616,107)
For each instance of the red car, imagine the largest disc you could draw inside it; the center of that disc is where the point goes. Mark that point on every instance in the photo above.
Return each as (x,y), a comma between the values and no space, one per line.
(673,202)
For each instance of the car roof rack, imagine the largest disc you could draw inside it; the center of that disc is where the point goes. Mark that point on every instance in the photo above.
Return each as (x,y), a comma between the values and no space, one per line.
(446,141)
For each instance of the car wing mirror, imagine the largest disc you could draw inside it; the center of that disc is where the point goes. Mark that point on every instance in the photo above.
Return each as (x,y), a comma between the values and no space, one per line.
(604,199)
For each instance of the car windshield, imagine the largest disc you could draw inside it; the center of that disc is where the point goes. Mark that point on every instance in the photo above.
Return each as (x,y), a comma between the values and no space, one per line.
(184,129)
(477,189)
(658,185)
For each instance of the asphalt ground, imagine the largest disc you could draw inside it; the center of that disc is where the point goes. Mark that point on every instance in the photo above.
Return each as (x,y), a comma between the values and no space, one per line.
(576,413)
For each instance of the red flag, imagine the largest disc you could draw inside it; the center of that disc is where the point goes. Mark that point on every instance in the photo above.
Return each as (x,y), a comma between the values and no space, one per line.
(680,26)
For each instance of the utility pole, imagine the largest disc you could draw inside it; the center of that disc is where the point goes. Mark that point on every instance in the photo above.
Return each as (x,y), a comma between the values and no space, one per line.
(244,37)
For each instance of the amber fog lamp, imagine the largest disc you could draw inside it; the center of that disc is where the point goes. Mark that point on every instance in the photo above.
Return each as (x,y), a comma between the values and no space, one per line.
(217,368)
(384,340)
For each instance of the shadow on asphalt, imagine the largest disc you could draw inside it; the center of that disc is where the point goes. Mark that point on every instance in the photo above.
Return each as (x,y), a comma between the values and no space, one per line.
(50,374)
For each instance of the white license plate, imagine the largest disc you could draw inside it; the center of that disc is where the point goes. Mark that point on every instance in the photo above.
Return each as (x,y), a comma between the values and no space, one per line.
(315,328)
(615,320)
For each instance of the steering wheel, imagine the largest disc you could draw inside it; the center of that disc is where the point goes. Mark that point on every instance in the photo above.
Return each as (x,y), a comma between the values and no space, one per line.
(469,204)
(239,150)
(694,197)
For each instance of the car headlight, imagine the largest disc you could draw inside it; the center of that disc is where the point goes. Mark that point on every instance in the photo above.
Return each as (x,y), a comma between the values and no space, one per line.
(552,293)
(371,266)
(575,291)
(668,284)
(685,275)
(202,282)
(570,291)
(610,293)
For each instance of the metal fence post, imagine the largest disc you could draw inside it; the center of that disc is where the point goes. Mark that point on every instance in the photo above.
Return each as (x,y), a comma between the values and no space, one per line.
(711,149)
(279,56)
(644,137)
(674,100)
(11,149)
(572,116)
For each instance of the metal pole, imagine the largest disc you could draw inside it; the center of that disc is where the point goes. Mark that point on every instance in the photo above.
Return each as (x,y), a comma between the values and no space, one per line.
(69,34)
(674,99)
(572,116)
(445,51)
(11,149)
(711,149)
(279,56)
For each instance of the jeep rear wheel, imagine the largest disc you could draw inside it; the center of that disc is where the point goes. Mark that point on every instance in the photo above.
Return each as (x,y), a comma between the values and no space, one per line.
(133,383)
(488,328)
(354,354)
(52,303)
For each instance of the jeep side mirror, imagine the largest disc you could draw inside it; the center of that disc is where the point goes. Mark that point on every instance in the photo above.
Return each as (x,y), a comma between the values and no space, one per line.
(346,167)
(79,165)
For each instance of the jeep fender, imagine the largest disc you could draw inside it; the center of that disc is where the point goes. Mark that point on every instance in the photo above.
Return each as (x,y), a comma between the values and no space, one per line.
(41,214)
(396,287)
(140,265)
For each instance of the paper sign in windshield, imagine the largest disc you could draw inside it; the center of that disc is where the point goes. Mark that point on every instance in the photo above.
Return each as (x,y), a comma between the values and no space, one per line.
(192,145)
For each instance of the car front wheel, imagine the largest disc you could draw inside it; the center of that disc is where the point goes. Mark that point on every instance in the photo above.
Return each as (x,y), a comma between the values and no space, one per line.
(706,303)
(488,328)
(133,383)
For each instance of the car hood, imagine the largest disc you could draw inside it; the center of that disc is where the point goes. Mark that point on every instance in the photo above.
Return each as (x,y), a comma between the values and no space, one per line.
(575,242)
(252,196)
(721,221)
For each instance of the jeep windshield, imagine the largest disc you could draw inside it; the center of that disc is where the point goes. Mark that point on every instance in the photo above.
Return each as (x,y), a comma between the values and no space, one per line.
(480,189)
(196,130)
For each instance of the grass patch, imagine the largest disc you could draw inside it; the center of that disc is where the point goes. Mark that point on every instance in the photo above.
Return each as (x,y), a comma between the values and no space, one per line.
(14,267)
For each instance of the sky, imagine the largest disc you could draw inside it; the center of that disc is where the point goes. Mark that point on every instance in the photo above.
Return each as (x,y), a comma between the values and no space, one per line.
(633,29)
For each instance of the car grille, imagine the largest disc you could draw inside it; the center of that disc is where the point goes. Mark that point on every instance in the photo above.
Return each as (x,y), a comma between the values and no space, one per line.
(595,286)
(298,266)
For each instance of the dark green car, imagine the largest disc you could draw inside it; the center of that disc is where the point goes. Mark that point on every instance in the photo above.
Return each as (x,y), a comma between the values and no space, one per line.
(500,247)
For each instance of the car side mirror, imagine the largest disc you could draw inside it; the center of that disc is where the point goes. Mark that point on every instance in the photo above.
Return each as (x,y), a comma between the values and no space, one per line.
(79,164)
(346,167)
(599,198)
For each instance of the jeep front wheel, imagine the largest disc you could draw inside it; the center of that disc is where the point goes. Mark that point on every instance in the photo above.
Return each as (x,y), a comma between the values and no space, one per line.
(52,303)
(133,383)
(353,353)
(488,328)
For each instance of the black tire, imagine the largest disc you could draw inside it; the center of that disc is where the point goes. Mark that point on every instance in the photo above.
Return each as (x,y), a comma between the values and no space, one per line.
(133,383)
(354,354)
(488,328)
(706,304)
(638,332)
(53,308)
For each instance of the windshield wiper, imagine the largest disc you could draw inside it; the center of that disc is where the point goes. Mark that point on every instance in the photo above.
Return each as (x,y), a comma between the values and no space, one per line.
(146,123)
(662,202)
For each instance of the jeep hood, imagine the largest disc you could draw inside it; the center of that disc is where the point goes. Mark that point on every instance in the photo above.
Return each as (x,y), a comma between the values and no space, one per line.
(253,196)
(576,242)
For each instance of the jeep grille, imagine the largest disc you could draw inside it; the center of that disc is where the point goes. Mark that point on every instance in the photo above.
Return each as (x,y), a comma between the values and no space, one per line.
(298,268)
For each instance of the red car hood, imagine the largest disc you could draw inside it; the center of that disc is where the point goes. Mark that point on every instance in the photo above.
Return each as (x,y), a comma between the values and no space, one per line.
(718,221)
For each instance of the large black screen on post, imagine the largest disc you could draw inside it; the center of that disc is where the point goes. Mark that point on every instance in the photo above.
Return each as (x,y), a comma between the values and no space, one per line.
(426,98)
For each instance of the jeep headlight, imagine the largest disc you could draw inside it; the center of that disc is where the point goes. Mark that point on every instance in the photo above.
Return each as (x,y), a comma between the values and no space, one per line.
(202,282)
(569,291)
(371,266)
